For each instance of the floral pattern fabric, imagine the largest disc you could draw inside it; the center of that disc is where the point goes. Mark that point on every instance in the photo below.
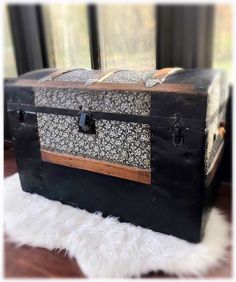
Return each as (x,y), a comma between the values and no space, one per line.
(125,102)
(217,95)
(114,141)
(129,76)
(80,75)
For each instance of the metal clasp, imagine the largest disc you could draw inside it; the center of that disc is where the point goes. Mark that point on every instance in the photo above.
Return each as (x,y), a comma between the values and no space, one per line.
(86,123)
(177,131)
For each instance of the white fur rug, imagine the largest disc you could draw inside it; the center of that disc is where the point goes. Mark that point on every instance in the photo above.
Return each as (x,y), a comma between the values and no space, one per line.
(104,247)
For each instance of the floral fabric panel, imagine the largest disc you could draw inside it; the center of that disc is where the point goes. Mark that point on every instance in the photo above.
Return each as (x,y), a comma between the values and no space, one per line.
(125,102)
(217,96)
(79,75)
(129,76)
(114,141)
(213,141)
(119,76)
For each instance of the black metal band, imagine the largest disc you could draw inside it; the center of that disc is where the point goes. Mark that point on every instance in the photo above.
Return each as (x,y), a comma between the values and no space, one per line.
(159,121)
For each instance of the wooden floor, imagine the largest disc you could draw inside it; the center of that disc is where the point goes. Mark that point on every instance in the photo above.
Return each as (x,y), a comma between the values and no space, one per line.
(31,262)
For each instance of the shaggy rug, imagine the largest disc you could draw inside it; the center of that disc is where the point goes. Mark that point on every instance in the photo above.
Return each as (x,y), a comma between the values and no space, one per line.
(104,247)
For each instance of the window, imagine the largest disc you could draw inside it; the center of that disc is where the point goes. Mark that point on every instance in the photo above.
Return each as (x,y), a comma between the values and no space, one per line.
(127,36)
(67,37)
(9,56)
(223,39)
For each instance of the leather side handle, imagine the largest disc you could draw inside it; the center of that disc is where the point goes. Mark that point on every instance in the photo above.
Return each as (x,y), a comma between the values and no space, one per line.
(221,131)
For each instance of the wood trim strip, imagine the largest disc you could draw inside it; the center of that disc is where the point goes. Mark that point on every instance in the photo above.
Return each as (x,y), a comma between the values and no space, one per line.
(60,72)
(106,75)
(103,167)
(162,74)
(163,87)
(100,77)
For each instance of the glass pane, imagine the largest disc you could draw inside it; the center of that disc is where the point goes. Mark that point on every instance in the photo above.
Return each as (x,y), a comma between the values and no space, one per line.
(67,37)
(223,39)
(127,36)
(9,55)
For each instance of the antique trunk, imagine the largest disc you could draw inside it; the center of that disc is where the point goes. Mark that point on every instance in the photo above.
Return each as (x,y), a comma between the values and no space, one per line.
(142,146)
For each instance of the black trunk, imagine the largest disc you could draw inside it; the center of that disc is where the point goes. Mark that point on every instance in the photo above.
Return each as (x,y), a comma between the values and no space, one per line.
(175,118)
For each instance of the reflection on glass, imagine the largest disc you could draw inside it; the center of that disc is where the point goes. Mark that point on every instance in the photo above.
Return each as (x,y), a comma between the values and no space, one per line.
(67,37)
(9,56)
(127,36)
(223,39)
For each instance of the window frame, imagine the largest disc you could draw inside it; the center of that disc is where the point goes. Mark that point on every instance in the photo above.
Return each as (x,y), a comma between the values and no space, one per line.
(172,25)
(28,37)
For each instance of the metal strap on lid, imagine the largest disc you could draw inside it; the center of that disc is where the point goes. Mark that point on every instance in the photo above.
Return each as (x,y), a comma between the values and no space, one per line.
(160,76)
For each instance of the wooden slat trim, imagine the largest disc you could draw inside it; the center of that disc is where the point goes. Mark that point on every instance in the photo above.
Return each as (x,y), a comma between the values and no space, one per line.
(103,167)
(106,75)
(100,77)
(60,72)
(162,74)
(159,88)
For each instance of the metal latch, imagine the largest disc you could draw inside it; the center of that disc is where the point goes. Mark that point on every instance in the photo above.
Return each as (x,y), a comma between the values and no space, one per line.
(86,123)
(20,112)
(177,130)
